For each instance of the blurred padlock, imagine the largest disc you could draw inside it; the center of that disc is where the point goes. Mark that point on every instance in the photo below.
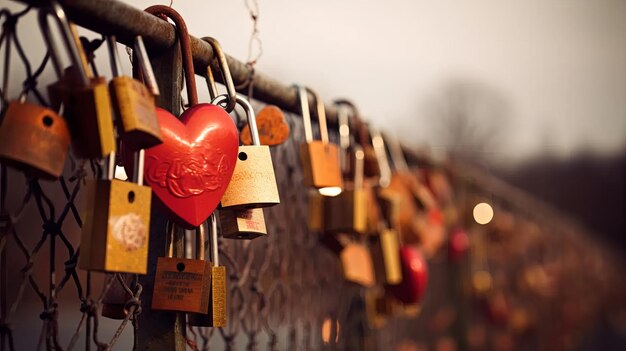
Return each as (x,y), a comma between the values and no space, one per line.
(319,158)
(133,102)
(385,249)
(242,223)
(216,313)
(182,284)
(116,226)
(356,264)
(347,212)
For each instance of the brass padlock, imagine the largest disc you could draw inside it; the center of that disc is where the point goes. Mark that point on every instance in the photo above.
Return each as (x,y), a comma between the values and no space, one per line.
(116,227)
(319,158)
(253,183)
(347,212)
(34,139)
(216,313)
(386,256)
(87,105)
(133,102)
(243,223)
(182,284)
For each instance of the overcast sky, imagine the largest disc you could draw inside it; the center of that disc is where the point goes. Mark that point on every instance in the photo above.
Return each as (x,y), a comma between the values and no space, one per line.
(559,64)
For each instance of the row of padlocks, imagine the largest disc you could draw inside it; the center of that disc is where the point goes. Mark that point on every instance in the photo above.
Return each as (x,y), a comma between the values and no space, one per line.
(380,217)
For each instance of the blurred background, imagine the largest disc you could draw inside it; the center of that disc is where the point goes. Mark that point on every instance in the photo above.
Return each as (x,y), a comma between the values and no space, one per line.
(532,92)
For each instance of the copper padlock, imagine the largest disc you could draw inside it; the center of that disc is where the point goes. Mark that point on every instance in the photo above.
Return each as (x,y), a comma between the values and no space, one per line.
(182,284)
(133,102)
(216,313)
(116,226)
(87,105)
(319,158)
(34,139)
(347,212)
(243,223)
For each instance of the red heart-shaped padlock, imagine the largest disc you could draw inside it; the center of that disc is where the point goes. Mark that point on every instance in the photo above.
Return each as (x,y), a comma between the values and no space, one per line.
(191,169)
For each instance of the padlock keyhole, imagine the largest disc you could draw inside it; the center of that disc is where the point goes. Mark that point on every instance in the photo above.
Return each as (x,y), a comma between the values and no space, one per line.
(47,121)
(180,266)
(243,156)
(131,196)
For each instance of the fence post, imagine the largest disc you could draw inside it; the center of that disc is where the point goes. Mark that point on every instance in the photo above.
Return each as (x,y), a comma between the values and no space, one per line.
(158,330)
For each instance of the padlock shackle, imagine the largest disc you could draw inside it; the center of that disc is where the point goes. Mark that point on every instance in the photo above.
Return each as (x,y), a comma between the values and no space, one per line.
(218,53)
(145,66)
(164,12)
(303,94)
(306,112)
(321,114)
(215,257)
(397,155)
(114,57)
(139,157)
(344,136)
(67,35)
(200,239)
(381,156)
(359,167)
(247,107)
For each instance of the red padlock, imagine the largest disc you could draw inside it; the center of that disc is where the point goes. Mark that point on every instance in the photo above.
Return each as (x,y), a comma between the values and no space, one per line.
(191,169)
(414,276)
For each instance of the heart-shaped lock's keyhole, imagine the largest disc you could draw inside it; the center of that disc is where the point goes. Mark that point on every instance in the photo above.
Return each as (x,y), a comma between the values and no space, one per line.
(47,121)
(131,196)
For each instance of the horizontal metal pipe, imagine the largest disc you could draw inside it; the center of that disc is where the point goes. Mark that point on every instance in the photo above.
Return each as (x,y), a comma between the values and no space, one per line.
(110,17)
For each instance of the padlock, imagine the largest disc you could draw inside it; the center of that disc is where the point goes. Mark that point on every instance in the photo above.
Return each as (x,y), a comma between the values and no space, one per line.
(385,249)
(182,284)
(116,225)
(347,212)
(216,313)
(87,105)
(356,264)
(115,298)
(320,158)
(34,139)
(315,211)
(253,183)
(242,223)
(133,102)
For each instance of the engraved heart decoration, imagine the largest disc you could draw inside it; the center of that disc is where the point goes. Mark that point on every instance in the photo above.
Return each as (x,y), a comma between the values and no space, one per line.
(191,169)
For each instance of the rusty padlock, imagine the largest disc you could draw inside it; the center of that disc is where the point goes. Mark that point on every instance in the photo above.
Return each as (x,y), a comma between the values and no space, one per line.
(182,284)
(116,226)
(133,101)
(34,139)
(243,223)
(320,158)
(87,104)
(216,313)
